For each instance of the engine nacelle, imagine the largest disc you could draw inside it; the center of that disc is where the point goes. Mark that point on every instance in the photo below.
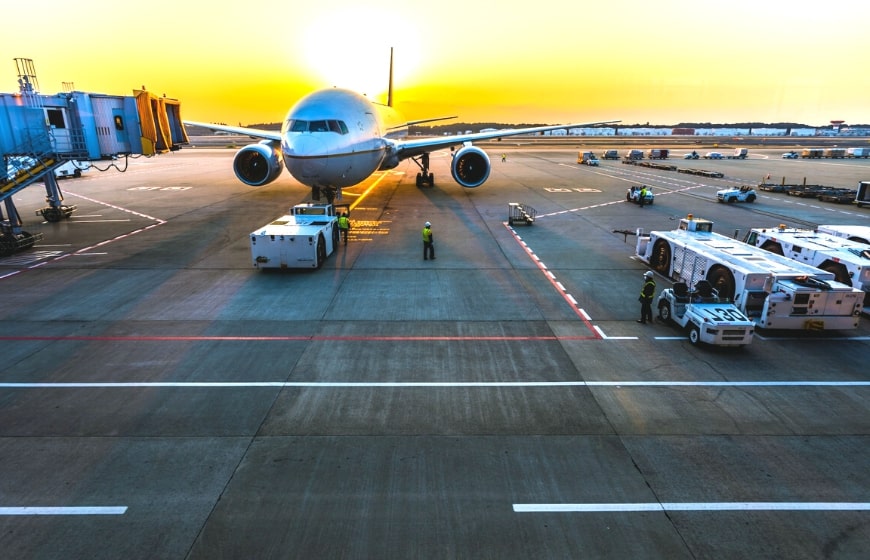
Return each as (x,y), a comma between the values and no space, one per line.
(258,164)
(470,167)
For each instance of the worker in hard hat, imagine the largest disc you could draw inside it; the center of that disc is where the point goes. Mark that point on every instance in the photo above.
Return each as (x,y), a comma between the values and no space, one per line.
(646,297)
(428,242)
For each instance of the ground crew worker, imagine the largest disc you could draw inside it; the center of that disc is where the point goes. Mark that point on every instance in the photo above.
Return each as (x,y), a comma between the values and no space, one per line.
(428,242)
(344,226)
(641,196)
(646,296)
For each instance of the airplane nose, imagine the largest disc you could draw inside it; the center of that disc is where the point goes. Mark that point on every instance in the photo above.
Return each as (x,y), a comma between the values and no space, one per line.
(309,155)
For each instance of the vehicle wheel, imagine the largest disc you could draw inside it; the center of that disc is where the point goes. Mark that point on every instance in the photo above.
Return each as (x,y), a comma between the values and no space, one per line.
(731,199)
(51,214)
(750,198)
(7,245)
(628,198)
(772,246)
(722,280)
(839,271)
(336,237)
(660,259)
(321,250)
(665,311)
(694,335)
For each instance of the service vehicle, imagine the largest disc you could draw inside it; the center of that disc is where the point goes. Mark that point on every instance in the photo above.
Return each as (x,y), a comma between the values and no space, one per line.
(691,155)
(658,153)
(773,291)
(858,152)
(743,193)
(587,158)
(633,195)
(834,153)
(790,155)
(713,155)
(812,153)
(861,234)
(72,168)
(611,154)
(633,155)
(708,318)
(848,261)
(304,238)
(739,153)
(862,197)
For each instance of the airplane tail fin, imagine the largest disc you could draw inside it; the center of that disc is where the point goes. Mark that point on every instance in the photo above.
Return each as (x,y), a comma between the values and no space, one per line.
(390,87)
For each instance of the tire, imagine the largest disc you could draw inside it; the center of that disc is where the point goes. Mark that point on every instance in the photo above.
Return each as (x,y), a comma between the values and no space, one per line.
(773,247)
(722,280)
(730,199)
(694,335)
(665,311)
(321,251)
(628,197)
(660,259)
(839,271)
(750,198)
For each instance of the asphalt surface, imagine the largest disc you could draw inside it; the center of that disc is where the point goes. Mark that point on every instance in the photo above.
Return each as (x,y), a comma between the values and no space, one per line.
(161,398)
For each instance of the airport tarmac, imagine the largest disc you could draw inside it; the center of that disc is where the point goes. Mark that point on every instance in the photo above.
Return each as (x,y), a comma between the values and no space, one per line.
(161,398)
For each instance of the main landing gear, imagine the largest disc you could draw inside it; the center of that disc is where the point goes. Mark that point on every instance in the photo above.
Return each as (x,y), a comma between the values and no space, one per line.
(424,178)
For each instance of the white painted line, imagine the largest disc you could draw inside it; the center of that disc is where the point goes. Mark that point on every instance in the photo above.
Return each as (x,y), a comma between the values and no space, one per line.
(692,506)
(352,384)
(111,510)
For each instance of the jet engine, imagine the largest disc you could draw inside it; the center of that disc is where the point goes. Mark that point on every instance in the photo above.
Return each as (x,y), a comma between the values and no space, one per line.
(258,164)
(470,167)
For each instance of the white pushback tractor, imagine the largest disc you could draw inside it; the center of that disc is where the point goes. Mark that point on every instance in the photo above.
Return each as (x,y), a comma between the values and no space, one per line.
(304,238)
(773,291)
(848,261)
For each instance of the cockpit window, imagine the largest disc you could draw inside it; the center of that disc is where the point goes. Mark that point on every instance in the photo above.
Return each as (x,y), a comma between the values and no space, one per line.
(297,125)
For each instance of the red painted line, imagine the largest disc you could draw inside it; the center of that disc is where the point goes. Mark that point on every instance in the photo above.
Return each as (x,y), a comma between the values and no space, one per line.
(551,278)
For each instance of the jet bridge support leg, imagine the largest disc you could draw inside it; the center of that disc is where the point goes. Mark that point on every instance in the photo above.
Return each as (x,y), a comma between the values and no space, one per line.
(56,210)
(12,237)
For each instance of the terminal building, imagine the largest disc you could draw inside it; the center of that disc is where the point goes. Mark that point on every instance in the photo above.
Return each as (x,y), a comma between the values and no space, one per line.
(40,133)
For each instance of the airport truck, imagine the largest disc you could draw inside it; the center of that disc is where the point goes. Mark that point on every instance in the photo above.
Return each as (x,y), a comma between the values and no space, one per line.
(861,234)
(771,290)
(708,318)
(858,152)
(848,261)
(743,193)
(304,238)
(739,153)
(862,197)
(587,158)
(658,153)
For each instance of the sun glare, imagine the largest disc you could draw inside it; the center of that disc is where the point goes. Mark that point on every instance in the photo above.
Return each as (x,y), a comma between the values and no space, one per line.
(350,50)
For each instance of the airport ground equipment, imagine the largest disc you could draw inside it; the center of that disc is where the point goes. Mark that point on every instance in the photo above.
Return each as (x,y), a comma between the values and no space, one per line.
(708,318)
(611,154)
(848,261)
(858,152)
(633,195)
(304,238)
(862,197)
(587,158)
(861,234)
(771,290)
(790,155)
(632,155)
(42,134)
(737,194)
(739,153)
(658,153)
(520,213)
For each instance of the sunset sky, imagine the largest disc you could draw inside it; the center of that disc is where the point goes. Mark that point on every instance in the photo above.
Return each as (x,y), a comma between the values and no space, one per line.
(656,61)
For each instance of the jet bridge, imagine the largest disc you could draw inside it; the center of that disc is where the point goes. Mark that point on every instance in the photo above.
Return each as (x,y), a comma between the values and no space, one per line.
(39,133)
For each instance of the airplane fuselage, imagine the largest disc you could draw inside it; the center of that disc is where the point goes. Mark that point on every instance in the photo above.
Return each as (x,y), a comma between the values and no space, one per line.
(336,138)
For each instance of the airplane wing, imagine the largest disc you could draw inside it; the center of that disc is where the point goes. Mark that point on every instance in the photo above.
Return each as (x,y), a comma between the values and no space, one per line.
(240,130)
(417,146)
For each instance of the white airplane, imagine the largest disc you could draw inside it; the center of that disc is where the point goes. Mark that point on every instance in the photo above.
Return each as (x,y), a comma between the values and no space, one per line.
(335,138)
